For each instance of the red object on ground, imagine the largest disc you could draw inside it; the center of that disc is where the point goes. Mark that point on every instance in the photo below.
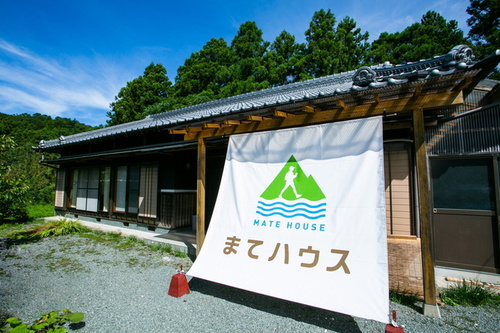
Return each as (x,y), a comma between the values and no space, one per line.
(393,327)
(179,285)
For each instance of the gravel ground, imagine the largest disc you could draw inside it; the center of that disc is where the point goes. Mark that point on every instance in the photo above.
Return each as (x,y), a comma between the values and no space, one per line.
(125,290)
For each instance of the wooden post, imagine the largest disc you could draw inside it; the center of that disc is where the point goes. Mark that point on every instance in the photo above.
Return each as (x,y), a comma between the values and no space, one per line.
(200,195)
(430,302)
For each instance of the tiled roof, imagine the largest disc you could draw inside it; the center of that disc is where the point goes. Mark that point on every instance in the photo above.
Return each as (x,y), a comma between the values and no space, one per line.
(458,59)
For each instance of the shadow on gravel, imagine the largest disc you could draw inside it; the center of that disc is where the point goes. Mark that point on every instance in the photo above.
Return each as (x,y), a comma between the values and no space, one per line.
(322,318)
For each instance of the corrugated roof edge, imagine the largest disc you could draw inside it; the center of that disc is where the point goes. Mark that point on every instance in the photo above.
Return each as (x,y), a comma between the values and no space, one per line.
(363,78)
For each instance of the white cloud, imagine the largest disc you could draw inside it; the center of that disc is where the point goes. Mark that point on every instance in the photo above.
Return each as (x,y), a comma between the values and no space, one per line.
(65,87)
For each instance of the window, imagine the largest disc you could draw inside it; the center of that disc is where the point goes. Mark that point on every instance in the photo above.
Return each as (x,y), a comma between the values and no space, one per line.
(87,189)
(127,189)
(91,189)
(104,189)
(463,184)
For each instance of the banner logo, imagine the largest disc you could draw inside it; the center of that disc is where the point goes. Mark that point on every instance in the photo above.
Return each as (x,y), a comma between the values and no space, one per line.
(293,194)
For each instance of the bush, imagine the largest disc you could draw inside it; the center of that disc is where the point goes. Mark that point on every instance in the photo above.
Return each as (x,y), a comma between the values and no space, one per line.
(49,322)
(39,211)
(13,198)
(470,294)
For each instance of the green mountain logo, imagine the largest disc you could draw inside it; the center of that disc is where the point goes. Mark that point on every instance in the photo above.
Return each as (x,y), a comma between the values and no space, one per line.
(291,183)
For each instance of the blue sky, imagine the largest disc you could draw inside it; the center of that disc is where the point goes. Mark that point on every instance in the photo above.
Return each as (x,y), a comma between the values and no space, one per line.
(69,58)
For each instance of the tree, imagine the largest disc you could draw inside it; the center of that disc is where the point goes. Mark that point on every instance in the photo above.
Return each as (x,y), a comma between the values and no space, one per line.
(432,36)
(131,102)
(24,131)
(333,48)
(484,25)
(283,60)
(205,70)
(13,188)
(248,71)
(353,47)
(320,44)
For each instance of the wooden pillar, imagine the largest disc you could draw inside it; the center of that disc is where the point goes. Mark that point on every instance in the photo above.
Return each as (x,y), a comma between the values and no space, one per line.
(430,302)
(200,195)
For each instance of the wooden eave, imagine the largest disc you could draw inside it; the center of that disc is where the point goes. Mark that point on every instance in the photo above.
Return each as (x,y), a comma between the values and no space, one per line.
(432,93)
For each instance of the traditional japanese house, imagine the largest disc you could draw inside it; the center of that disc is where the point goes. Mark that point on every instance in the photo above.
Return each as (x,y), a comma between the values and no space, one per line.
(440,133)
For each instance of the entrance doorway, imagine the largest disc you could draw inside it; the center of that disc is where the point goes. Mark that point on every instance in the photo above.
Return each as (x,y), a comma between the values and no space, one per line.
(466,219)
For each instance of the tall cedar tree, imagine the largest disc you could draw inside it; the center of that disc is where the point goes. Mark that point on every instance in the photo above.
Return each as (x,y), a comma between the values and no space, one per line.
(432,36)
(484,25)
(353,46)
(321,45)
(205,72)
(283,60)
(248,71)
(333,49)
(146,90)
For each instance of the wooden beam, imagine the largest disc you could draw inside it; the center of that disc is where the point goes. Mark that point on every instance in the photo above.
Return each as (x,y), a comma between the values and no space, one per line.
(191,129)
(210,125)
(465,83)
(376,98)
(200,195)
(255,118)
(424,212)
(308,109)
(418,90)
(281,114)
(178,131)
(340,104)
(352,112)
(232,122)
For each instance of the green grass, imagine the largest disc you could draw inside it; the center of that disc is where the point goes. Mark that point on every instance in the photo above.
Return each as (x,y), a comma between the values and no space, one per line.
(6,228)
(30,232)
(166,249)
(470,294)
(49,229)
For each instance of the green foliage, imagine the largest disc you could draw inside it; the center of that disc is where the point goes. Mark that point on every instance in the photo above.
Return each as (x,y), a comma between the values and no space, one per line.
(333,48)
(484,25)
(52,322)
(321,44)
(49,229)
(248,71)
(164,248)
(21,176)
(118,241)
(284,60)
(430,37)
(13,188)
(146,90)
(101,236)
(403,297)
(28,129)
(131,241)
(470,294)
(40,211)
(250,63)
(205,71)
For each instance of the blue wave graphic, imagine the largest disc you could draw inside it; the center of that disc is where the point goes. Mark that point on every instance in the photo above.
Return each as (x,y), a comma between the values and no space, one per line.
(293,205)
(294,215)
(302,209)
(291,210)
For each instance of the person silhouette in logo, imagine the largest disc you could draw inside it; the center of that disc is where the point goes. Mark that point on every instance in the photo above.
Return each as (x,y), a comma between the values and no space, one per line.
(289,182)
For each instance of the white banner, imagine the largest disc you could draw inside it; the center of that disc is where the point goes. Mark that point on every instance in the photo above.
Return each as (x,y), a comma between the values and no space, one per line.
(300,215)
